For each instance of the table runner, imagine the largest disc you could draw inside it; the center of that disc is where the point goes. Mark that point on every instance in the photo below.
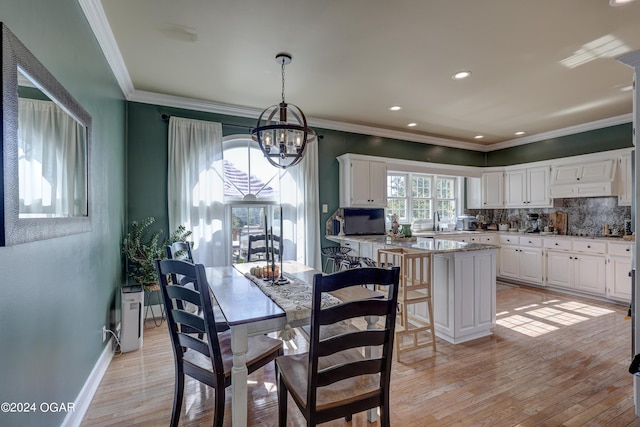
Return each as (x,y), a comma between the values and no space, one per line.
(294,298)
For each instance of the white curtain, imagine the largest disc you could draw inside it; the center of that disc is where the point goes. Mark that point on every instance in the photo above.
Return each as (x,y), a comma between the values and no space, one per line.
(196,188)
(52,154)
(301,208)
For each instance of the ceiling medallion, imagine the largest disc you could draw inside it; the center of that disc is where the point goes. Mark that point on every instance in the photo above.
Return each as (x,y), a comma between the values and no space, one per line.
(282,132)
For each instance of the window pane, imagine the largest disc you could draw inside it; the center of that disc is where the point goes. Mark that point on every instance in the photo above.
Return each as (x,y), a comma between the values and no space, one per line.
(396,186)
(421,187)
(421,209)
(398,207)
(445,188)
(447,210)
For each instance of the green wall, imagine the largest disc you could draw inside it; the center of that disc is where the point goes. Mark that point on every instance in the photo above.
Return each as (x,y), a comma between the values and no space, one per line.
(57,294)
(609,138)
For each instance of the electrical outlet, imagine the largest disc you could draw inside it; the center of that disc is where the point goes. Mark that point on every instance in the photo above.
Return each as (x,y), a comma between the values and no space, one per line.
(104,333)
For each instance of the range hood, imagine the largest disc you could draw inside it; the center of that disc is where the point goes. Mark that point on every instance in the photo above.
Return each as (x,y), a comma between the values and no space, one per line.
(593,179)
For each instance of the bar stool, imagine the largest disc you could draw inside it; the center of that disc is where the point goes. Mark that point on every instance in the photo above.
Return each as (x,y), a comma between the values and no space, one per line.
(348,262)
(332,254)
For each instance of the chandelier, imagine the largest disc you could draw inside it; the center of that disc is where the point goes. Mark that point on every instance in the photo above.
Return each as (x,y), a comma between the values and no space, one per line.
(282,132)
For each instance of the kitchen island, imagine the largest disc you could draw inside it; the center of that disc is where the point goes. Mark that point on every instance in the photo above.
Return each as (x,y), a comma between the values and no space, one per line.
(463,282)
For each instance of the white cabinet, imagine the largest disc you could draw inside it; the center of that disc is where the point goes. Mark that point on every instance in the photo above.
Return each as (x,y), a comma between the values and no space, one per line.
(521,258)
(464,295)
(618,271)
(582,268)
(493,189)
(528,187)
(363,183)
(624,180)
(595,179)
(353,245)
(474,193)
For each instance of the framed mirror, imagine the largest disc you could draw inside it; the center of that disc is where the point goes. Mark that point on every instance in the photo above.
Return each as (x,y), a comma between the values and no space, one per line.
(45,151)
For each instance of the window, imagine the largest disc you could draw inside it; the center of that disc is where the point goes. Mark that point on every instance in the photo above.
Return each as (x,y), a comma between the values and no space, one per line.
(414,196)
(251,188)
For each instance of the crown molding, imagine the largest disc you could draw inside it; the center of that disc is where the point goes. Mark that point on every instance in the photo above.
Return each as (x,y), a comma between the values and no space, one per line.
(94,13)
(254,113)
(584,127)
(240,111)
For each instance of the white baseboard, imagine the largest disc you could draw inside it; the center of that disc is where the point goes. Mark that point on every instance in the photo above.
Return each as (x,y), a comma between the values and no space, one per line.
(74,418)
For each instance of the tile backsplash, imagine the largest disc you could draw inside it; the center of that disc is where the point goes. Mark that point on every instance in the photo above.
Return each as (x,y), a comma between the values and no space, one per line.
(586,216)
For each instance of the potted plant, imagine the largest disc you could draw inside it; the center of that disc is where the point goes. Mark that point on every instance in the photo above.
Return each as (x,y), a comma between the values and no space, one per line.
(143,248)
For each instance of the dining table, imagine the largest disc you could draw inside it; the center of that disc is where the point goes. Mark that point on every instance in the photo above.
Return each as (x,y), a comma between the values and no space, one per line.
(249,311)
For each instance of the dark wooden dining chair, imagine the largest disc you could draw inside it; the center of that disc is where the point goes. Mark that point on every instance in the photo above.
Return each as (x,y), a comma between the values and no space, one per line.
(258,245)
(208,360)
(346,373)
(182,250)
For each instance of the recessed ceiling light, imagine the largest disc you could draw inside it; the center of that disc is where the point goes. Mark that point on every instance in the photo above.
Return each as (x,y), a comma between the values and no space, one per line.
(618,2)
(479,136)
(520,133)
(411,125)
(395,108)
(461,75)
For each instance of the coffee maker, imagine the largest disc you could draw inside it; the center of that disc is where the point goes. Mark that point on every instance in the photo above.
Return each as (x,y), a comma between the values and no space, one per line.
(532,223)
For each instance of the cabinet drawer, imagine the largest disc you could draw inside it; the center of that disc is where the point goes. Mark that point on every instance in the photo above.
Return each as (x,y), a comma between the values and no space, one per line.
(509,240)
(590,246)
(622,249)
(487,240)
(555,243)
(534,242)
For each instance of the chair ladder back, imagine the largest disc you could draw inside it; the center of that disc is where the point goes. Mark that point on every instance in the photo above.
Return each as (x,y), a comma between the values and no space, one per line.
(355,364)
(181,323)
(253,249)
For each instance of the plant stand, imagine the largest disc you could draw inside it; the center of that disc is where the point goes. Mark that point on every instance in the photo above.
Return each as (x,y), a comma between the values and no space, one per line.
(150,291)
(413,331)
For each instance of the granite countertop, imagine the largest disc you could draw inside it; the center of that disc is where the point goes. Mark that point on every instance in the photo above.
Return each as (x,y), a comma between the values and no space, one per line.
(427,245)
(443,234)
(442,245)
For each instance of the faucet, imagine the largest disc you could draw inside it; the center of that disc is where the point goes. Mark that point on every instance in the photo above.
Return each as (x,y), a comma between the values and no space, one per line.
(436,220)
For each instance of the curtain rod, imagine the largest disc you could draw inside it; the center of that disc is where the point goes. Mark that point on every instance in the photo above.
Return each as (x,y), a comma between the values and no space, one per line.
(167,117)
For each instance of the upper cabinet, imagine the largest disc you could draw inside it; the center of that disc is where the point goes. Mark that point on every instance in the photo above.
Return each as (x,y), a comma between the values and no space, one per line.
(527,187)
(624,180)
(363,183)
(492,189)
(474,193)
(594,179)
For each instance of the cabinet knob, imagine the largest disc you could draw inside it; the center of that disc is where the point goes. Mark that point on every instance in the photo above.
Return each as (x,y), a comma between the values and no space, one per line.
(570,257)
(589,246)
(556,243)
(627,249)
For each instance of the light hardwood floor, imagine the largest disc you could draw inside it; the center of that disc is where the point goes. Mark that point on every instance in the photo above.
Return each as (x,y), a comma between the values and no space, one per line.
(554,359)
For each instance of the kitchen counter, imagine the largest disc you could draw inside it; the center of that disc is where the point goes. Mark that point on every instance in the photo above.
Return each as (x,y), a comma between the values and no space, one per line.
(427,245)
(463,280)
(443,234)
